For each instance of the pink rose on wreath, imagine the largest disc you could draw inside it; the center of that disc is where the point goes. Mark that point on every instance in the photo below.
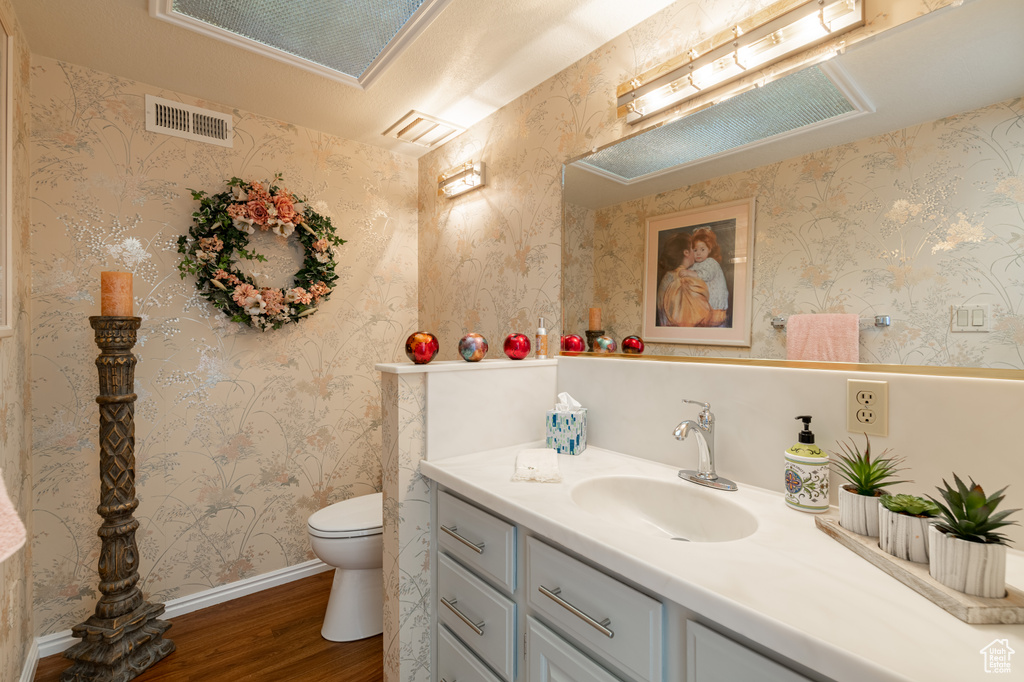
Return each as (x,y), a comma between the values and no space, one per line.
(319,289)
(258,212)
(285,208)
(274,299)
(321,244)
(298,295)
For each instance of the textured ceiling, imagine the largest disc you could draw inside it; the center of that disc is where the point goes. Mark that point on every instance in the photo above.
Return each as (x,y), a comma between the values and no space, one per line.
(474,58)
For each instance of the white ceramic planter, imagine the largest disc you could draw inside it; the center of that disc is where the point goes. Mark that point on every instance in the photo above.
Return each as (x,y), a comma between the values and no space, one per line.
(858,513)
(903,536)
(973,567)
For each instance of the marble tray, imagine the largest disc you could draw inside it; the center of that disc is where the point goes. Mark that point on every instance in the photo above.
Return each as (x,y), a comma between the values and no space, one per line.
(970,609)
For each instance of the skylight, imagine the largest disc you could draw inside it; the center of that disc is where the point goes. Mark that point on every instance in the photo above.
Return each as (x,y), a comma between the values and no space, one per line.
(348,41)
(795,101)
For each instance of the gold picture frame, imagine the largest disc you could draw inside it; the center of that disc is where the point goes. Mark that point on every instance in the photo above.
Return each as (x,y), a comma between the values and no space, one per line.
(698,275)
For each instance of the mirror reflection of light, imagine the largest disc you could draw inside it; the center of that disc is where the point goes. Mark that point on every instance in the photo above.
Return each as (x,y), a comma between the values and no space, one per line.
(745,56)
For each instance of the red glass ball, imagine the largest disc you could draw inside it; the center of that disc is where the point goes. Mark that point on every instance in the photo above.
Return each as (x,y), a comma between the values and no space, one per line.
(633,345)
(573,343)
(517,346)
(421,347)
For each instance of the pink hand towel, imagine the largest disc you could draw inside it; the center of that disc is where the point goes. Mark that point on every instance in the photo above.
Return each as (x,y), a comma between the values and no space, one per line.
(825,337)
(12,531)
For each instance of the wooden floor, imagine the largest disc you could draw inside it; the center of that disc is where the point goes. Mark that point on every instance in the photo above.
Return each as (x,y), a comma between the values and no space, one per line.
(270,636)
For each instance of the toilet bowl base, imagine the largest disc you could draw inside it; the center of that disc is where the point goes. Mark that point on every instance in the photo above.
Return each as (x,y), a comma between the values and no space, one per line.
(355,609)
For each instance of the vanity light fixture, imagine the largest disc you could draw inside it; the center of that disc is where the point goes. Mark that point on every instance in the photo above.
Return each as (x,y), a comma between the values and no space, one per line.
(777,32)
(461,179)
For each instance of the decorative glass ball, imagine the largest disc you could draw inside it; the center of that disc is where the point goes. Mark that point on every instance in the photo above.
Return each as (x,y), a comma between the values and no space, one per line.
(517,346)
(573,343)
(605,344)
(633,345)
(421,347)
(472,347)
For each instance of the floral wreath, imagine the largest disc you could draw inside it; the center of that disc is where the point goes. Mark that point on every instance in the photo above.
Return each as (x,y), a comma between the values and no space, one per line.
(221,228)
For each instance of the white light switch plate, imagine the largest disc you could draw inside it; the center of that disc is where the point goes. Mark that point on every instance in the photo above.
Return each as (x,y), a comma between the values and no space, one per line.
(970,318)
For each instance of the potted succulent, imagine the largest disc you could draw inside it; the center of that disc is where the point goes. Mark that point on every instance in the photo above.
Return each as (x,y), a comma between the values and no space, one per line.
(966,552)
(903,522)
(858,500)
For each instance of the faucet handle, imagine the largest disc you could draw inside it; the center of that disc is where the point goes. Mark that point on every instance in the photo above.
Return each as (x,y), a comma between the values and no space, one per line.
(707,406)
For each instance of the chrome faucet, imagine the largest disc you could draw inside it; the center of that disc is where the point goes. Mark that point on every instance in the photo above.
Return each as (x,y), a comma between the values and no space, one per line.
(704,427)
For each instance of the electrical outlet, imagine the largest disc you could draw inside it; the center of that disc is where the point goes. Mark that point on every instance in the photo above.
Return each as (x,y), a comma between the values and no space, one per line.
(867,407)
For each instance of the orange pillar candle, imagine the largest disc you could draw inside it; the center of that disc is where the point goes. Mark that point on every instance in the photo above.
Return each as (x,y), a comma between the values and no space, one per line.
(595,319)
(116,294)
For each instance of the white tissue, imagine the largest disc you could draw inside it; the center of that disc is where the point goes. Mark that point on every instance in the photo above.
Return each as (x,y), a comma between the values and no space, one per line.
(537,464)
(566,403)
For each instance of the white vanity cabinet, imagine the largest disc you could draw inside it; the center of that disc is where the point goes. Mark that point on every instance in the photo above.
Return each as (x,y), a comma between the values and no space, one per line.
(713,657)
(552,659)
(476,564)
(606,615)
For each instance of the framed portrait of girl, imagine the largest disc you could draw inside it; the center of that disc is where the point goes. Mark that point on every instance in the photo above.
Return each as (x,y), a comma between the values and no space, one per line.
(698,267)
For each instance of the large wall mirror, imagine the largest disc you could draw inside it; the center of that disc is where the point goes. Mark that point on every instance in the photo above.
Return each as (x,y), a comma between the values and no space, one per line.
(908,205)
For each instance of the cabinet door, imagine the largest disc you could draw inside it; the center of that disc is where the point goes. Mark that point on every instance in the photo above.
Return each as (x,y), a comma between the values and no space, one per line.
(552,659)
(711,657)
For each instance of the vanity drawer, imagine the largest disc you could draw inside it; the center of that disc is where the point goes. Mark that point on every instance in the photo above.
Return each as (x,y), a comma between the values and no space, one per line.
(612,619)
(482,618)
(455,663)
(552,658)
(479,540)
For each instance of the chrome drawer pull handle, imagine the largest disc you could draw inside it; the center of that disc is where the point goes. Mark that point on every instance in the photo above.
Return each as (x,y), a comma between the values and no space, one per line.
(453,531)
(600,626)
(478,628)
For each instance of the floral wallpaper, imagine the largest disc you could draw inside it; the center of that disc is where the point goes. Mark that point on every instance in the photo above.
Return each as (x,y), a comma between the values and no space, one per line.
(15,398)
(490,260)
(407,592)
(905,224)
(240,434)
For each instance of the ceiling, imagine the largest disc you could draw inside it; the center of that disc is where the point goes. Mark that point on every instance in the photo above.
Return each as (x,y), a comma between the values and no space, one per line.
(473,58)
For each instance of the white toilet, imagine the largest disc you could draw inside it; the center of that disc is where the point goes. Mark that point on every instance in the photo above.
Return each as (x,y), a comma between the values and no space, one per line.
(348,536)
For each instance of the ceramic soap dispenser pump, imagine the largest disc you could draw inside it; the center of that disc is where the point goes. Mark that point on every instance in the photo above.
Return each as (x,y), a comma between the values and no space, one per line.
(807,473)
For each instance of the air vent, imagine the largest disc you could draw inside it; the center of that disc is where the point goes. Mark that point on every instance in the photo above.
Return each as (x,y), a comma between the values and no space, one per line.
(426,131)
(192,123)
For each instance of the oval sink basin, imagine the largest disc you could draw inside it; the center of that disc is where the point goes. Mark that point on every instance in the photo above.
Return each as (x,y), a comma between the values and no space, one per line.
(670,509)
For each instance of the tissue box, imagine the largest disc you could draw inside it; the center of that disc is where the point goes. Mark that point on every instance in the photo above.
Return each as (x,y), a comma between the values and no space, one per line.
(567,431)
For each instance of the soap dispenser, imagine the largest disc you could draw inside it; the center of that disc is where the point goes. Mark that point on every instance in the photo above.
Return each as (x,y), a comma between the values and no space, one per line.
(807,473)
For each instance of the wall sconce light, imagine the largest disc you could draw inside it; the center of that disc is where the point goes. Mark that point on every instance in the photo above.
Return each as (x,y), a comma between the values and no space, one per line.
(461,179)
(765,38)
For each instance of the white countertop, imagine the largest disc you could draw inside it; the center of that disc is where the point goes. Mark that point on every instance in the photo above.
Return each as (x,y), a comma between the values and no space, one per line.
(788,586)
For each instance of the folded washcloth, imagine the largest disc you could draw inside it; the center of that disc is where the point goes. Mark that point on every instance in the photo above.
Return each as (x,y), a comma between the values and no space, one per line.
(12,531)
(537,464)
(827,337)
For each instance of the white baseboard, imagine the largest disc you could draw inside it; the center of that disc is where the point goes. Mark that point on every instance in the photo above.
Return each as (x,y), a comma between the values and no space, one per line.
(55,643)
(28,671)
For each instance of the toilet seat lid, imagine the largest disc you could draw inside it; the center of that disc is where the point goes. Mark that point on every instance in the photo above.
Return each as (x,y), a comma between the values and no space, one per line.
(354,517)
